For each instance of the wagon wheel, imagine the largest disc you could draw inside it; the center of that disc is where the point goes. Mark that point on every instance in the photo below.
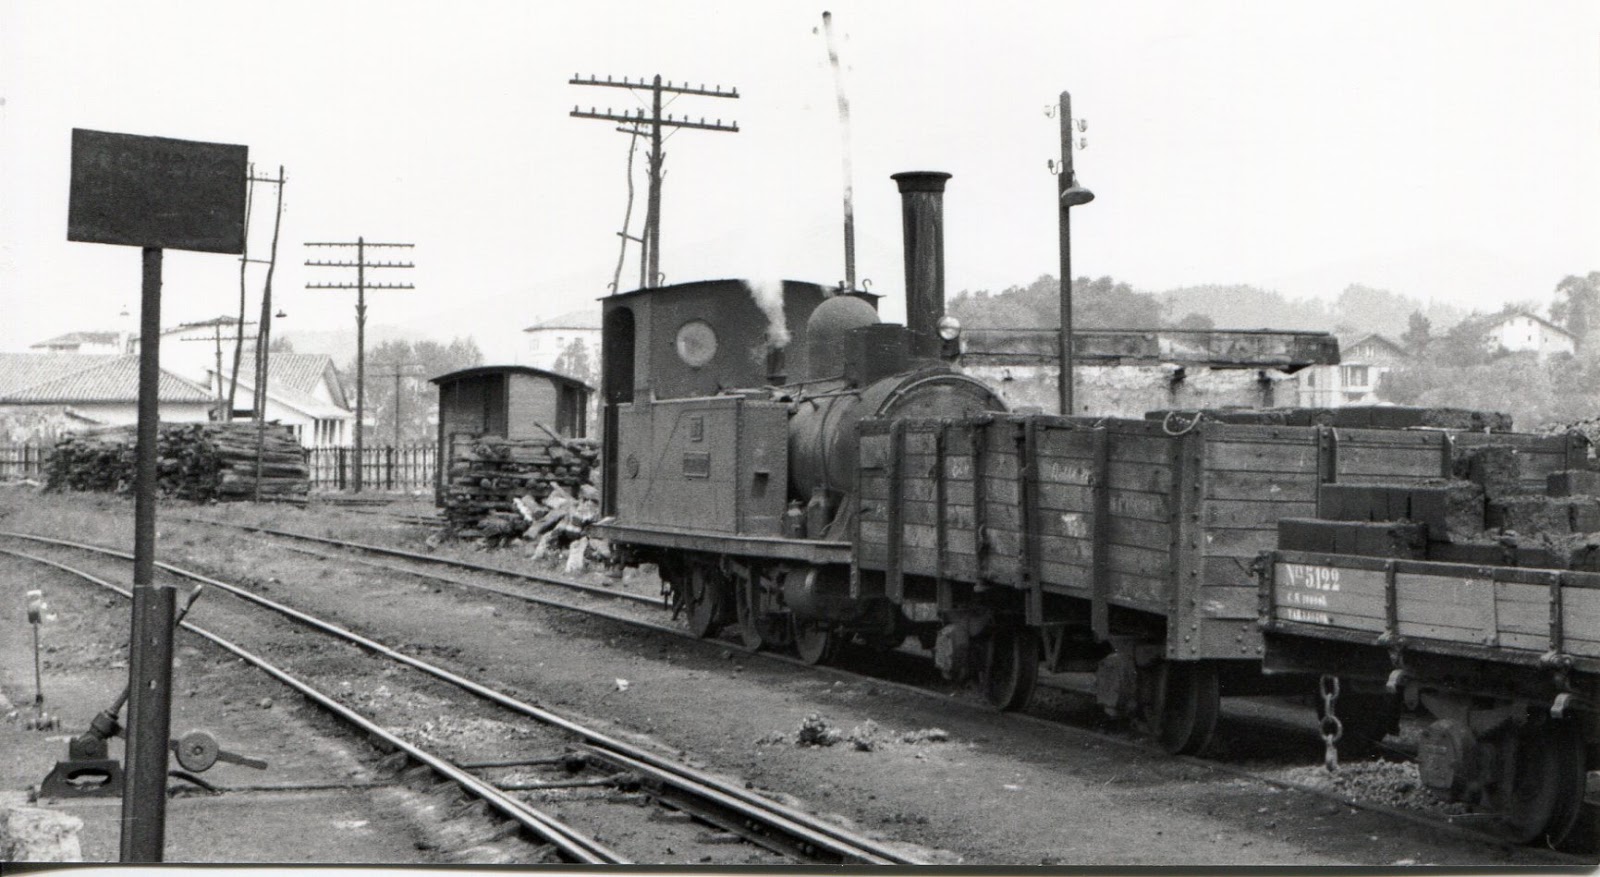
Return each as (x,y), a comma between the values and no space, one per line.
(1010,667)
(706,595)
(816,643)
(1543,783)
(1183,707)
(750,632)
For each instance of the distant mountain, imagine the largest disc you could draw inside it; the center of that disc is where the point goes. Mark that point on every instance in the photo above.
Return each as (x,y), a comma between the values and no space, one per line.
(1358,309)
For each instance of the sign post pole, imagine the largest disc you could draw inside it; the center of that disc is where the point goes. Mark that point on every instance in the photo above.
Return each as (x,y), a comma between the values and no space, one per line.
(154,193)
(144,795)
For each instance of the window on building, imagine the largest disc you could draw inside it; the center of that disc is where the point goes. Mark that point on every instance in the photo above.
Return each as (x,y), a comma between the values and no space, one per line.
(1311,378)
(1353,375)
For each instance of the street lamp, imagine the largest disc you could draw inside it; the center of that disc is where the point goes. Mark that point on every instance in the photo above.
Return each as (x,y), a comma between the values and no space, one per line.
(1070,195)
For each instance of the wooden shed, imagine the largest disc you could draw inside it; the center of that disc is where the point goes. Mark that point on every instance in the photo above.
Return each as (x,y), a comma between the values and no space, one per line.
(511,401)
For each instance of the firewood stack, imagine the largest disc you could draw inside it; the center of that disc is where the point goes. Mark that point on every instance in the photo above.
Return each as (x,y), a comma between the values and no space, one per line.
(197,461)
(500,488)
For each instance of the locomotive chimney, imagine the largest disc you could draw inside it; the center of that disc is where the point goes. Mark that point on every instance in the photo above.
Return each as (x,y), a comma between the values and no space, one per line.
(922,214)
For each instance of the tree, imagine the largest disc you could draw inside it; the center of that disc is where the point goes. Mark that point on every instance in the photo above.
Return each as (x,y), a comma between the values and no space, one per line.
(575,362)
(1577,304)
(1419,332)
(1466,343)
(1096,304)
(280,344)
(1195,321)
(418,402)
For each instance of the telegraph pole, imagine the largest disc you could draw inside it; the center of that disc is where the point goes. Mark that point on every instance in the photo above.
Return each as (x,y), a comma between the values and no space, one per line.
(398,373)
(360,286)
(640,123)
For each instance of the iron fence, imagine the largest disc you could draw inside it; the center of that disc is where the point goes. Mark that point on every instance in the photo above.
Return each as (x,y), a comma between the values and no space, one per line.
(23,460)
(388,468)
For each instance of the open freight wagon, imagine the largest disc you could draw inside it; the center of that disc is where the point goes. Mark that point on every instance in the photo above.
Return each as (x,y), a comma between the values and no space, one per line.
(1123,546)
(1505,660)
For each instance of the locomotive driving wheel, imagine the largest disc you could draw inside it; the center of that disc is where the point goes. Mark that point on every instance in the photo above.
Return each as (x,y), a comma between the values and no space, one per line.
(707,594)
(1543,782)
(815,643)
(1181,702)
(1009,667)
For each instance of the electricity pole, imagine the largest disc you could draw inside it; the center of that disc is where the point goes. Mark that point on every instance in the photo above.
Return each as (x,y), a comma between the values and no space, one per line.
(360,286)
(398,373)
(641,122)
(264,339)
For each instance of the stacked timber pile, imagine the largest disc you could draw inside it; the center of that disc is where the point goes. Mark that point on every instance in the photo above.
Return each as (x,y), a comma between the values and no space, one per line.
(198,461)
(1487,514)
(537,488)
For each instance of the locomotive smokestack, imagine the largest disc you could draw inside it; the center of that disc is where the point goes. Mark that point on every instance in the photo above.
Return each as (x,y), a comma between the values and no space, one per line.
(922,214)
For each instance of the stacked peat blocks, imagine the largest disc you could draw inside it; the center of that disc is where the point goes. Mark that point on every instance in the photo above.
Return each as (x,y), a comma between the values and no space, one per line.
(507,488)
(198,461)
(1484,515)
(1355,417)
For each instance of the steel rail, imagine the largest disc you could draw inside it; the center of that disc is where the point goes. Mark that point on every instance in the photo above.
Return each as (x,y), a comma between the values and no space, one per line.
(848,846)
(427,558)
(676,631)
(480,586)
(1447,826)
(575,845)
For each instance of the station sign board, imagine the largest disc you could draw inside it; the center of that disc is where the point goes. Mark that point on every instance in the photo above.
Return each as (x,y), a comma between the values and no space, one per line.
(157,192)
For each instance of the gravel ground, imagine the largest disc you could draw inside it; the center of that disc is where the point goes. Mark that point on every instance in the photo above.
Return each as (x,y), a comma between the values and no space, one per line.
(946,776)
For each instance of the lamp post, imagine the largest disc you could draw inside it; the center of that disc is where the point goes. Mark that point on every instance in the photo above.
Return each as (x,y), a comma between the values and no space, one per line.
(1070,195)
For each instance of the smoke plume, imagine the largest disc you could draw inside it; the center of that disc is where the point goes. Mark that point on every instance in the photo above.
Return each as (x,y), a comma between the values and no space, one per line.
(768,295)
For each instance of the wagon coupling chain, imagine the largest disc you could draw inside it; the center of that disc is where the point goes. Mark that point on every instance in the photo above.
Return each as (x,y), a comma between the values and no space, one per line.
(1332,729)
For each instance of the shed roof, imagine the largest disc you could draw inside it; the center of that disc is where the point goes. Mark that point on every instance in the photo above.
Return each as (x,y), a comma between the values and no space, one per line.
(107,379)
(484,370)
(19,370)
(109,337)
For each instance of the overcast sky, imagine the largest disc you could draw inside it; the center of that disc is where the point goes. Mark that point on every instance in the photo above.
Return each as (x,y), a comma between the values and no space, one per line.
(1445,150)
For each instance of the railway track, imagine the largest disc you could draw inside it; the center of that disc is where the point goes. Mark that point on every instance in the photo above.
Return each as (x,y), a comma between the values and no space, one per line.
(1446,826)
(782,830)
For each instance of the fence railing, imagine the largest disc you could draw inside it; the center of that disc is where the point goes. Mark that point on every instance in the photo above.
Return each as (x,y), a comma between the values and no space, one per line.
(404,468)
(23,460)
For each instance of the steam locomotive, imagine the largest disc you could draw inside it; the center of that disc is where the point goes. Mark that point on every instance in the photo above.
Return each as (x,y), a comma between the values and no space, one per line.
(810,475)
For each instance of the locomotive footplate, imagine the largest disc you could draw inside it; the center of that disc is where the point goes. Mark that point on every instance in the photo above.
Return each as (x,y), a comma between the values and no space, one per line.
(810,551)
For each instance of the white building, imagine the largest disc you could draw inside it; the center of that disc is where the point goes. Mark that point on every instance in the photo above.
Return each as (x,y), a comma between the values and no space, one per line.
(576,333)
(75,385)
(1363,361)
(110,342)
(1520,330)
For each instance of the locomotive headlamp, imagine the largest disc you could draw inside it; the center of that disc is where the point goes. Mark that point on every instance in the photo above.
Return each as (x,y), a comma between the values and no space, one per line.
(949,328)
